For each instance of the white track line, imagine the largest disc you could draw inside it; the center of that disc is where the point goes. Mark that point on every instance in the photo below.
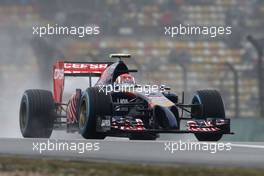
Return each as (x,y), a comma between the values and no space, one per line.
(248,146)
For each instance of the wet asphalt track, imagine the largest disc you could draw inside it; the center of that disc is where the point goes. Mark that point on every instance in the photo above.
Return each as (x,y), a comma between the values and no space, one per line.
(151,152)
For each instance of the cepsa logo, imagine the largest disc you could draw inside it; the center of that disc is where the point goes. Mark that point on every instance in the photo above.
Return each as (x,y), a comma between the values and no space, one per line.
(84,68)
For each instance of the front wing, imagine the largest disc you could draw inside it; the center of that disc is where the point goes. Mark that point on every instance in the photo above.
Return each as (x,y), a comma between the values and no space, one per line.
(193,126)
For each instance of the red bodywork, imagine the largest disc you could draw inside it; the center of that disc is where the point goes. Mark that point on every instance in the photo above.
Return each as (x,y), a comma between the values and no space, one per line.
(64,68)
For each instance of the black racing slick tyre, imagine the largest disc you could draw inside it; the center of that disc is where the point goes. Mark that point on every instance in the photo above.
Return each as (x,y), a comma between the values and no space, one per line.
(94,103)
(211,107)
(36,116)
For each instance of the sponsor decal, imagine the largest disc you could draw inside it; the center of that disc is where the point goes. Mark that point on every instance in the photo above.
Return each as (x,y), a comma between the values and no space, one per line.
(84,68)
(58,74)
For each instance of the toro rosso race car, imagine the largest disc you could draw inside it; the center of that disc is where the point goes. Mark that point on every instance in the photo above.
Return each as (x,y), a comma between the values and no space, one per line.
(99,110)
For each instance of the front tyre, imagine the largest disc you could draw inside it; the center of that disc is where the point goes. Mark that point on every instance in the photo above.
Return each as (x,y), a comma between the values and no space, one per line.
(36,115)
(211,107)
(93,104)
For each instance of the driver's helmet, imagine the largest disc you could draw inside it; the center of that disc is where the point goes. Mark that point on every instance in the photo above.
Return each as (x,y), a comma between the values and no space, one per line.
(125,79)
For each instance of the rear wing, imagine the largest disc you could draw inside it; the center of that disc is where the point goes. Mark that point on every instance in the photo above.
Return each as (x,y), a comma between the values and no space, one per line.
(65,68)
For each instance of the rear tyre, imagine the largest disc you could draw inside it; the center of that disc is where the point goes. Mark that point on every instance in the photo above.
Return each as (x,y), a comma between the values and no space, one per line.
(93,104)
(212,107)
(36,116)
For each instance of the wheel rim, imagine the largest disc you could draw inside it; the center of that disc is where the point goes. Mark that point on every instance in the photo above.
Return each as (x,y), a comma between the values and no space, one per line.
(23,118)
(83,112)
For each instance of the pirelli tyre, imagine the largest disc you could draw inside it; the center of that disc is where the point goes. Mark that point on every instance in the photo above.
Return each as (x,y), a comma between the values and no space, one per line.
(94,103)
(211,107)
(36,115)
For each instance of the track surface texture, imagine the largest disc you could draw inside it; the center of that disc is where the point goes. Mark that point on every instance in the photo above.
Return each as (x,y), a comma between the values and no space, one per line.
(242,154)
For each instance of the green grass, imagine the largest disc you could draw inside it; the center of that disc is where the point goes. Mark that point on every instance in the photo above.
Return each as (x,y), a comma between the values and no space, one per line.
(19,166)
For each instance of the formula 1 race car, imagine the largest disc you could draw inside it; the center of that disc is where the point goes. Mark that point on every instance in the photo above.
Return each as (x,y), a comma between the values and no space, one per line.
(116,106)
